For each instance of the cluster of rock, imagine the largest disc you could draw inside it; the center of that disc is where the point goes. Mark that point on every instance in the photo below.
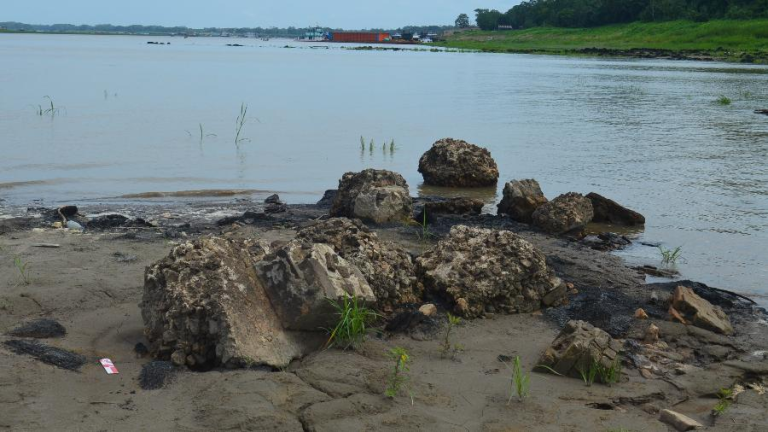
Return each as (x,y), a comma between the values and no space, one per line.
(481,271)
(523,201)
(232,303)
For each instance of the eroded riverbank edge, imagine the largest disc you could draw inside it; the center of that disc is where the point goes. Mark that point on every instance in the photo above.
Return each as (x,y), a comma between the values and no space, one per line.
(92,283)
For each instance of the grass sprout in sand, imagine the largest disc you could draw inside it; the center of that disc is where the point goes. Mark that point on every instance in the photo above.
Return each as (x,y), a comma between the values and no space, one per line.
(21,266)
(398,380)
(351,329)
(520,383)
(448,348)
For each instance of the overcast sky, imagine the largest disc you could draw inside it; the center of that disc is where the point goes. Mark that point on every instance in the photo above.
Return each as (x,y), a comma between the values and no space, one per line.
(246,13)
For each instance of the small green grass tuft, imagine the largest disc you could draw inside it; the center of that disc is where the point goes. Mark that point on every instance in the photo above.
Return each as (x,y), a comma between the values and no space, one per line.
(398,380)
(520,383)
(23,270)
(612,374)
(670,256)
(362,143)
(725,397)
(723,100)
(447,348)
(589,374)
(351,329)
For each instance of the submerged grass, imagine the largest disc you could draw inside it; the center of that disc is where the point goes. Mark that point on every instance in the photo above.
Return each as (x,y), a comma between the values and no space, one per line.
(711,36)
(670,256)
(240,123)
(723,100)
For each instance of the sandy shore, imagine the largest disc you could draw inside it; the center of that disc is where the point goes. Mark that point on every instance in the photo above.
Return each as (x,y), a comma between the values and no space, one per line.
(92,284)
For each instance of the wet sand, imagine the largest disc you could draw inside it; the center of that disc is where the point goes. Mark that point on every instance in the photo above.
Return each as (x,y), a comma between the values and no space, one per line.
(92,284)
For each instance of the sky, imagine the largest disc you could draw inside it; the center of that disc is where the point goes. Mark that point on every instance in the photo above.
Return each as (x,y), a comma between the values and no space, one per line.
(350,14)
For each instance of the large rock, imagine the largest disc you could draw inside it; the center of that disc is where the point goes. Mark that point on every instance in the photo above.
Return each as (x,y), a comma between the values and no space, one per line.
(699,312)
(302,276)
(577,347)
(480,270)
(456,163)
(376,196)
(387,267)
(520,199)
(609,211)
(204,306)
(566,213)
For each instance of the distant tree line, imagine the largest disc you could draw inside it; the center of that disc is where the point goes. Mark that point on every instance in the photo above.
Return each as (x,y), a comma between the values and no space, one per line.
(592,13)
(291,32)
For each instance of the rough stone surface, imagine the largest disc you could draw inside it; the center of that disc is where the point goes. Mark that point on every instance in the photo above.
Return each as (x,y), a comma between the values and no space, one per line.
(679,421)
(328,197)
(301,276)
(456,206)
(520,199)
(204,306)
(376,196)
(481,270)
(566,213)
(387,267)
(577,347)
(609,211)
(428,310)
(690,308)
(456,163)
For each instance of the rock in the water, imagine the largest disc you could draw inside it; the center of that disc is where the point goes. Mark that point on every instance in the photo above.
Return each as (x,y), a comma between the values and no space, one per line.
(699,312)
(521,199)
(456,163)
(204,306)
(272,199)
(376,196)
(455,206)
(328,197)
(577,347)
(40,328)
(387,267)
(477,270)
(566,213)
(609,211)
(301,276)
(679,421)
(47,354)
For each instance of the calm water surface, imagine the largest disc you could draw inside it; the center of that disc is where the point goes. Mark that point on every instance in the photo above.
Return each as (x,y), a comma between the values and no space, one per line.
(646,133)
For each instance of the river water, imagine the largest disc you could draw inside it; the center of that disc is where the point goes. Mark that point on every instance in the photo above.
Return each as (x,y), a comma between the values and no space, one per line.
(647,133)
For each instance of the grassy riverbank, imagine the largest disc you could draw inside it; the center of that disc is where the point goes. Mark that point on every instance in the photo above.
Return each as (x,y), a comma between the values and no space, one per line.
(722,39)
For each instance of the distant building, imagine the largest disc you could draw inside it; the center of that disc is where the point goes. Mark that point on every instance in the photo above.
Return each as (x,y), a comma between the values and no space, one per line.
(360,37)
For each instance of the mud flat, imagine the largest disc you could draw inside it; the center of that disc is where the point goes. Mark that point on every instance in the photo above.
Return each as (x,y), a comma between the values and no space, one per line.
(92,282)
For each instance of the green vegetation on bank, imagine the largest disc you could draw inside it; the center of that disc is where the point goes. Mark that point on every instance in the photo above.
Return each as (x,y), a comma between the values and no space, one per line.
(722,38)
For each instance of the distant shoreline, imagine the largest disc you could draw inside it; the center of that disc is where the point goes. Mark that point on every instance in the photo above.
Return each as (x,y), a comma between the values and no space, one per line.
(721,40)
